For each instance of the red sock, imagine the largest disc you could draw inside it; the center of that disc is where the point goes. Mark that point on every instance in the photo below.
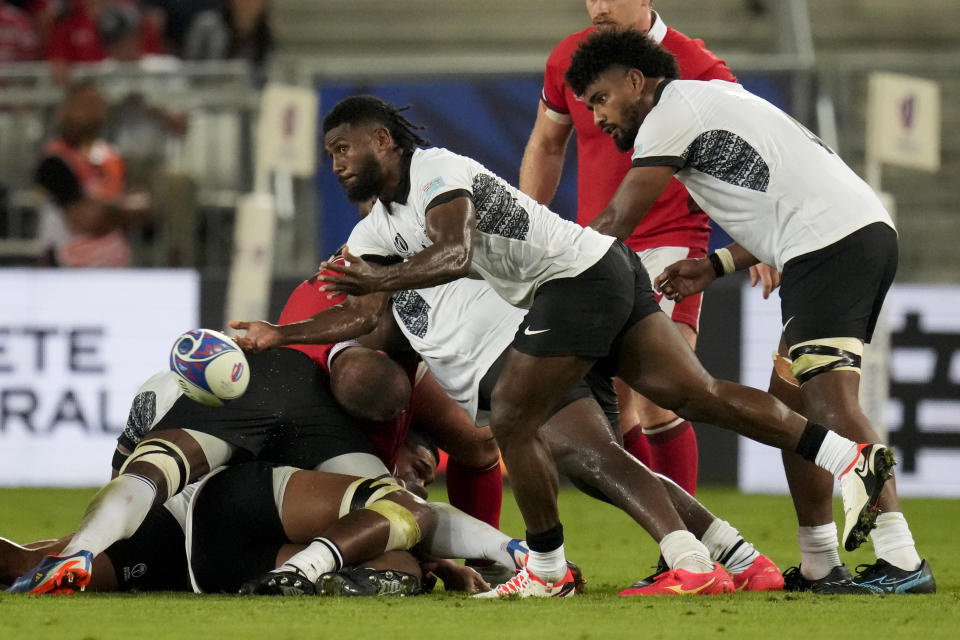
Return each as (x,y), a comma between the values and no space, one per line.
(674,454)
(476,492)
(636,443)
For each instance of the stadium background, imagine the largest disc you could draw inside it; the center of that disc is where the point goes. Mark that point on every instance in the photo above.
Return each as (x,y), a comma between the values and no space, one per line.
(74,345)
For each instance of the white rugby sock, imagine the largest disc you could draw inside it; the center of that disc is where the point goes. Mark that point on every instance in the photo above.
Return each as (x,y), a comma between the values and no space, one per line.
(458,535)
(115,513)
(549,566)
(728,547)
(893,542)
(818,550)
(836,454)
(682,550)
(319,557)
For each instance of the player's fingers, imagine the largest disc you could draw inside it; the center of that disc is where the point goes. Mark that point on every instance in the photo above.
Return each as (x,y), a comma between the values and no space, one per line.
(239,325)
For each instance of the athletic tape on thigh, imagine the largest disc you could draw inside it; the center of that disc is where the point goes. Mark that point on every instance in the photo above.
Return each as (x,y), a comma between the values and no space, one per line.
(364,491)
(404,530)
(826,354)
(781,366)
(167,458)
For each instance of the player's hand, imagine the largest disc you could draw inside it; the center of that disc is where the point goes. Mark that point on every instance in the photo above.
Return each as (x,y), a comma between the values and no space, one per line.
(355,279)
(458,577)
(766,274)
(260,335)
(685,278)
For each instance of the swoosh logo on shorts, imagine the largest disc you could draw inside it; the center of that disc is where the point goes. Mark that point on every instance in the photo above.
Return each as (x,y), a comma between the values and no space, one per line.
(529,332)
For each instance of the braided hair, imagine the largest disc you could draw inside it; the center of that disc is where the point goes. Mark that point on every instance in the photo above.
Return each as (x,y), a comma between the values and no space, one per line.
(368,108)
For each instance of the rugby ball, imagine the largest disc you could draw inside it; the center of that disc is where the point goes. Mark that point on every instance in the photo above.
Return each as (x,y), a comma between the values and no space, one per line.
(209,367)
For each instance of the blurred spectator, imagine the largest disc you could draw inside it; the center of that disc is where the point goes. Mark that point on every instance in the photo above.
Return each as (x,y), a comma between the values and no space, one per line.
(18,39)
(217,29)
(95,30)
(89,208)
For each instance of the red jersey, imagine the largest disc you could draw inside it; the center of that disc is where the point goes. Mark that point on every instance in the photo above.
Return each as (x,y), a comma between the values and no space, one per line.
(18,41)
(675,219)
(306,301)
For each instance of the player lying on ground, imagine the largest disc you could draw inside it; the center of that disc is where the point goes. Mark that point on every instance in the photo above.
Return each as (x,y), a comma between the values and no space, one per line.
(787,200)
(463,331)
(246,520)
(288,416)
(439,217)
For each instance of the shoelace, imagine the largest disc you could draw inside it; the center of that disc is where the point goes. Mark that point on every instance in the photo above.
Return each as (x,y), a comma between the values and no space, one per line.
(515,584)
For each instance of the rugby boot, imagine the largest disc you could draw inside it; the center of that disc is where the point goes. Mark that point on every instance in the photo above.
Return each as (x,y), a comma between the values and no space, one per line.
(883,577)
(56,574)
(681,582)
(358,581)
(646,582)
(860,487)
(526,585)
(837,582)
(761,575)
(279,583)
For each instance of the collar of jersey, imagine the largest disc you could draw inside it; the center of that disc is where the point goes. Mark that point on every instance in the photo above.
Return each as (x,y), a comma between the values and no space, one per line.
(659,92)
(404,182)
(658,29)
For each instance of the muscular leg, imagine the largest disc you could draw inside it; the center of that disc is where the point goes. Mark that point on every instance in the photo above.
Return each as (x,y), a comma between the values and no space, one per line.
(158,468)
(312,504)
(670,443)
(656,361)
(585,450)
(525,394)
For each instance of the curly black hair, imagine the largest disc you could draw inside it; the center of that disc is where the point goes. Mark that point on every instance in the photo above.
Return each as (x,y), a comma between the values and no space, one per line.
(624,48)
(368,108)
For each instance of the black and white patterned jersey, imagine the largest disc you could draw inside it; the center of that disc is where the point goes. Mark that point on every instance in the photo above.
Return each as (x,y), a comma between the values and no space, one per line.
(768,181)
(519,243)
(459,329)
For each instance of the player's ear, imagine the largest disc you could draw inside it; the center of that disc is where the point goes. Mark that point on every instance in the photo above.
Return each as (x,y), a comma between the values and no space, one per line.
(381,138)
(636,80)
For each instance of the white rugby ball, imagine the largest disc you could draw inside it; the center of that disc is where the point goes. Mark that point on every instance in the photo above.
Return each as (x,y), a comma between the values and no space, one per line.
(209,367)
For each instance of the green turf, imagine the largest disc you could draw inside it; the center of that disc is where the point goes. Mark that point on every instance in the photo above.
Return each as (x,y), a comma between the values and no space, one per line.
(612,551)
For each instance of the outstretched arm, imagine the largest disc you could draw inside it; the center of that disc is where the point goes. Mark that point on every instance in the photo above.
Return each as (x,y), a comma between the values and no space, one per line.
(449,226)
(637,192)
(691,276)
(357,316)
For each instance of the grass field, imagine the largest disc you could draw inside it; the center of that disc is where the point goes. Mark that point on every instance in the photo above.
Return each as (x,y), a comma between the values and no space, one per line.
(612,551)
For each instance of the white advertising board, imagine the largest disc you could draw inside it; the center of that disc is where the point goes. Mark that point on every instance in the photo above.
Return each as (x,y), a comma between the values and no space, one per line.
(923,412)
(74,347)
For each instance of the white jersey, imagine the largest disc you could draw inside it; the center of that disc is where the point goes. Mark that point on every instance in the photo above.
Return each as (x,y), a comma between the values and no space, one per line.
(459,329)
(519,244)
(770,183)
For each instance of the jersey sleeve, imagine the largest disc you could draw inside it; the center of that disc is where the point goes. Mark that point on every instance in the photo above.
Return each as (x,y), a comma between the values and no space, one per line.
(440,178)
(554,95)
(663,138)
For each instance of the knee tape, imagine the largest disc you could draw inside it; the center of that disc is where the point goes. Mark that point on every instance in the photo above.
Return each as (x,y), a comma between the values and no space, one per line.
(167,458)
(814,357)
(404,529)
(365,491)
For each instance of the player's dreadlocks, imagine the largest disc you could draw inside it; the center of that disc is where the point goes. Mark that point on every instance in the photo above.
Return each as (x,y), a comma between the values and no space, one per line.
(367,108)
(625,48)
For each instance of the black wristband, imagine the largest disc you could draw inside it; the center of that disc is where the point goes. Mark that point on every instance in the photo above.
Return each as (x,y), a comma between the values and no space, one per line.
(717,265)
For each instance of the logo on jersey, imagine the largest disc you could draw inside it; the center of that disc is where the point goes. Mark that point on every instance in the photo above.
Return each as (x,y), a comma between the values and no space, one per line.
(431,187)
(400,244)
(638,148)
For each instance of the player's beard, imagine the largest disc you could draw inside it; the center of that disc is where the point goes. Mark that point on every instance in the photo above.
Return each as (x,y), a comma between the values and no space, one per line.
(367,180)
(626,135)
